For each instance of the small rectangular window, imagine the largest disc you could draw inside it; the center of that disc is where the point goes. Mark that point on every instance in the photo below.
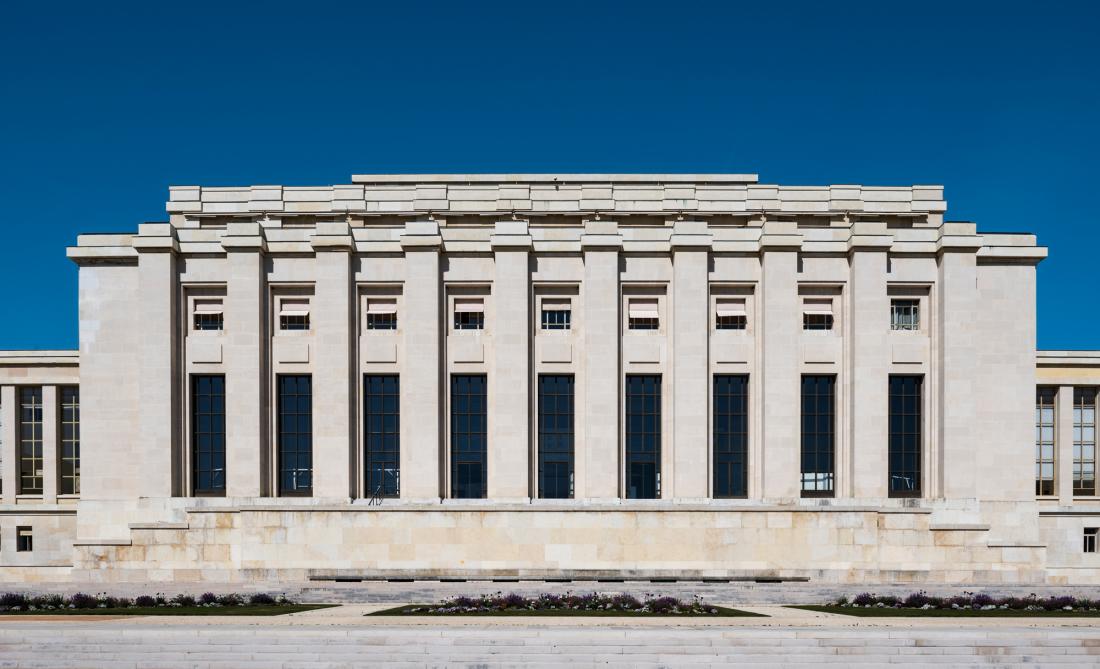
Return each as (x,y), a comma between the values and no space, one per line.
(643,314)
(469,314)
(817,313)
(905,315)
(556,315)
(730,314)
(24,539)
(1090,539)
(382,314)
(208,314)
(294,314)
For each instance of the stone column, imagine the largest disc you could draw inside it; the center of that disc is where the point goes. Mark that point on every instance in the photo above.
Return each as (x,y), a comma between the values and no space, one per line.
(780,338)
(868,341)
(247,405)
(690,452)
(159,425)
(421,386)
(957,295)
(49,444)
(598,470)
(510,443)
(334,412)
(9,434)
(1063,445)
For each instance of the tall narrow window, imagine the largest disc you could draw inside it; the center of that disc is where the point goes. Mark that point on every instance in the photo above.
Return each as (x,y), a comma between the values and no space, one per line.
(1084,441)
(818,435)
(731,435)
(70,441)
(1044,441)
(905,436)
(1,450)
(382,434)
(468,436)
(295,434)
(469,314)
(555,435)
(208,433)
(30,440)
(643,436)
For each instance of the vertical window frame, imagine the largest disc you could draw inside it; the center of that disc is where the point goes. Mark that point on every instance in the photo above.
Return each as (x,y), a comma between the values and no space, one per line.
(1046,420)
(68,441)
(382,435)
(294,441)
(905,434)
(30,463)
(819,443)
(642,438)
(214,386)
(1084,441)
(730,436)
(469,434)
(556,434)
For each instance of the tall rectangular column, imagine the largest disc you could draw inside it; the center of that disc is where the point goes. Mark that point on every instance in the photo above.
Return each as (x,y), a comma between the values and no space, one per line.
(510,445)
(1063,445)
(9,438)
(421,389)
(159,427)
(49,444)
(957,295)
(602,473)
(780,339)
(246,384)
(333,368)
(690,456)
(868,357)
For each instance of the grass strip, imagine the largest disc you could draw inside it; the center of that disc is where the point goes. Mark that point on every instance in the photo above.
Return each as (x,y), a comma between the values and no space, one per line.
(408,610)
(886,612)
(249,610)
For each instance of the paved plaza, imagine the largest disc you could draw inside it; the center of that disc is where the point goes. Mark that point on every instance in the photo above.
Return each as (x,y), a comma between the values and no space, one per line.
(345,637)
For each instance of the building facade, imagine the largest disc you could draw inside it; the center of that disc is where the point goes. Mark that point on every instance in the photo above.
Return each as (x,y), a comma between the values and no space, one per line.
(553,376)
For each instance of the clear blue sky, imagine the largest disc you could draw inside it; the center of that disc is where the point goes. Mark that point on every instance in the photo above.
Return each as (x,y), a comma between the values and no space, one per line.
(104,105)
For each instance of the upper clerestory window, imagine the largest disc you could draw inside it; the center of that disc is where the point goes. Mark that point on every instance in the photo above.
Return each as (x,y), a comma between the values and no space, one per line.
(817,313)
(208,314)
(469,314)
(294,313)
(643,314)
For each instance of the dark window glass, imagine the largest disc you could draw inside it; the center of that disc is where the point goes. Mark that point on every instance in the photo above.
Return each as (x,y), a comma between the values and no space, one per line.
(468,436)
(208,433)
(1084,441)
(69,476)
(1044,441)
(30,440)
(24,539)
(905,436)
(556,435)
(817,321)
(382,434)
(294,321)
(382,321)
(556,319)
(731,435)
(208,321)
(643,436)
(730,322)
(295,430)
(469,320)
(818,436)
(1090,539)
(644,323)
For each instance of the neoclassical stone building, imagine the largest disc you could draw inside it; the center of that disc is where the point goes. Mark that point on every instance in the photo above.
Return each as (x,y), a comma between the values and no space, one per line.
(552,376)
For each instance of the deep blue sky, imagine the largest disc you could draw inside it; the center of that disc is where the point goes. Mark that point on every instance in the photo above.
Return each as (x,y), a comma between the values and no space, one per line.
(104,105)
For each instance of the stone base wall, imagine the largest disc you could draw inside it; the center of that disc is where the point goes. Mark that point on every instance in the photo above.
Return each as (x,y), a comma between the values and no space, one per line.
(837,545)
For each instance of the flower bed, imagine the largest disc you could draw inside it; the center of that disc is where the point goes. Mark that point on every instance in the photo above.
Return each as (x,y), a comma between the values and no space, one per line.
(15,603)
(966,604)
(569,604)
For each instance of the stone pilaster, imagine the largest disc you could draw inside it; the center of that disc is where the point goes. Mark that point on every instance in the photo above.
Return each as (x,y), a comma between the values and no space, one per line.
(599,471)
(780,339)
(333,369)
(9,441)
(159,424)
(868,357)
(1063,445)
(421,378)
(510,443)
(957,295)
(49,444)
(689,454)
(246,384)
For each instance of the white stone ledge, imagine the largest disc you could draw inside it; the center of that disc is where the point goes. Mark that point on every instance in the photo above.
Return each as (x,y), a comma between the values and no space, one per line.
(959,527)
(624,506)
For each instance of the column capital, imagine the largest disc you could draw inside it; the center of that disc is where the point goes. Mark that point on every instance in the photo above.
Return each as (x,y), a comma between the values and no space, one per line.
(511,236)
(332,236)
(244,236)
(869,236)
(156,238)
(780,236)
(690,236)
(421,236)
(601,236)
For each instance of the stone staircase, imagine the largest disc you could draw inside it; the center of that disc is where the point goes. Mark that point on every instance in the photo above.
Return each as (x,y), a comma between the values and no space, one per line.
(151,645)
